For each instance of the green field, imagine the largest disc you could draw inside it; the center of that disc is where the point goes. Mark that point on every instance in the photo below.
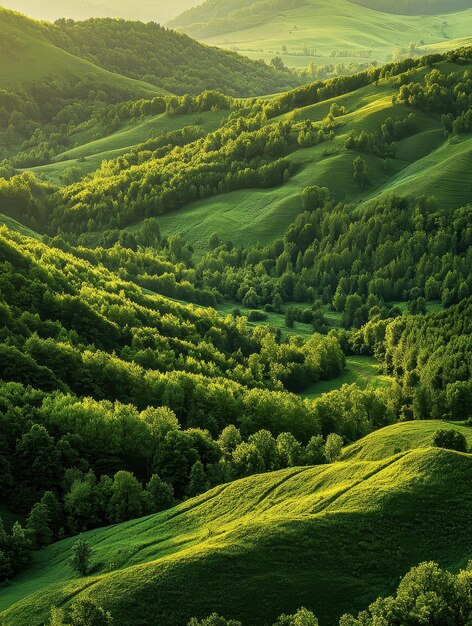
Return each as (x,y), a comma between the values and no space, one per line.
(331,538)
(336,31)
(360,370)
(444,172)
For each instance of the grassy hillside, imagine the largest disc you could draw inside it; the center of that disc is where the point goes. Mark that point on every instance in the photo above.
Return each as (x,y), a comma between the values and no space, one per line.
(360,370)
(330,538)
(17,227)
(402,437)
(28,57)
(90,152)
(123,52)
(305,31)
(443,172)
(424,163)
(413,7)
(144,10)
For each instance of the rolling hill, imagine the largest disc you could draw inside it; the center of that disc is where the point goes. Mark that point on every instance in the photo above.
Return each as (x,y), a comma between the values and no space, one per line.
(424,160)
(415,7)
(425,163)
(330,538)
(146,59)
(234,312)
(322,31)
(144,10)
(397,438)
(29,57)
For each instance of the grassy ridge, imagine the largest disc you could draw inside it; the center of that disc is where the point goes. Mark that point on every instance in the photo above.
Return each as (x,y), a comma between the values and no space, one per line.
(12,224)
(267,544)
(443,172)
(424,163)
(400,438)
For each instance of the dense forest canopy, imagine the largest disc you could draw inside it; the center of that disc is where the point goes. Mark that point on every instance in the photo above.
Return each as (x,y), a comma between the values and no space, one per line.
(166,58)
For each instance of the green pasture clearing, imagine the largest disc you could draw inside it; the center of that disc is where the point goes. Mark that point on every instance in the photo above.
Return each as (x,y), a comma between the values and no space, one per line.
(360,370)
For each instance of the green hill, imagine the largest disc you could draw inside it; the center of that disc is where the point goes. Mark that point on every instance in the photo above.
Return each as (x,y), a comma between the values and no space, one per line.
(89,151)
(330,538)
(167,59)
(402,437)
(425,163)
(145,59)
(29,57)
(415,7)
(422,161)
(322,31)
(144,10)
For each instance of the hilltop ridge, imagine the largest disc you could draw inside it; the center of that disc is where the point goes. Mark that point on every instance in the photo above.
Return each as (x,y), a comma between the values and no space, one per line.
(308,533)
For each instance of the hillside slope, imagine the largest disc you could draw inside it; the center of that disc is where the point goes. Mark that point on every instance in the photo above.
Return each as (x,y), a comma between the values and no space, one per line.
(425,163)
(160,59)
(415,7)
(329,537)
(318,31)
(419,160)
(401,437)
(29,57)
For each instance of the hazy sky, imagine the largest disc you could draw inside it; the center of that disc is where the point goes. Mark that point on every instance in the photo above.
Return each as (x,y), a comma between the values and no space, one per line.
(146,10)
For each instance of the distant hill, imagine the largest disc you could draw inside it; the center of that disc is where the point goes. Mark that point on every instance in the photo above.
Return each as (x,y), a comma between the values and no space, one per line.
(144,10)
(28,57)
(167,60)
(325,31)
(416,7)
(330,538)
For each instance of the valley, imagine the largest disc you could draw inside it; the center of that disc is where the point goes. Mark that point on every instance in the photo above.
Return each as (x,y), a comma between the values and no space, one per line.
(325,33)
(236,313)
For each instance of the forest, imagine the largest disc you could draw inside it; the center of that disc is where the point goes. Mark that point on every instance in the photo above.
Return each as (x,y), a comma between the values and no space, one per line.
(232,430)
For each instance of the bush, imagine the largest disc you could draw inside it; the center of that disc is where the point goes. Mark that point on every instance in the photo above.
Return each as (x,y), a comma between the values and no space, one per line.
(450,439)
(257,316)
